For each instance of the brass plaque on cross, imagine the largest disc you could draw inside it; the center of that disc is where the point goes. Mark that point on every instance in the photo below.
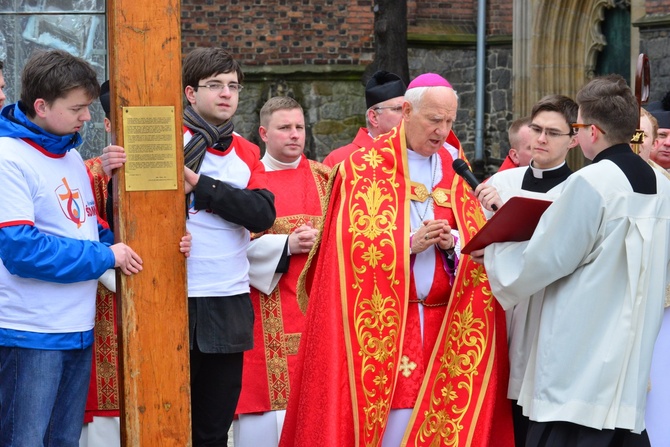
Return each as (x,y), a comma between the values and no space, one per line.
(149,140)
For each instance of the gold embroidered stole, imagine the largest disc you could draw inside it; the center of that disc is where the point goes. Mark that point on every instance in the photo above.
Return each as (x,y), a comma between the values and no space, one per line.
(455,384)
(103,399)
(373,216)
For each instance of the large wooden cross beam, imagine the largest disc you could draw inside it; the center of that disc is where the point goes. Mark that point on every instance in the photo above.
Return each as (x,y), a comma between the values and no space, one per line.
(144,42)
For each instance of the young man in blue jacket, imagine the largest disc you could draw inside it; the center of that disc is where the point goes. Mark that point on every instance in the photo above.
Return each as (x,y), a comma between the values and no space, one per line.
(52,253)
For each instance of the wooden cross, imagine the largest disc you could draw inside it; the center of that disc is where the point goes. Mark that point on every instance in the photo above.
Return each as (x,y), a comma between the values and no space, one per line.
(144,41)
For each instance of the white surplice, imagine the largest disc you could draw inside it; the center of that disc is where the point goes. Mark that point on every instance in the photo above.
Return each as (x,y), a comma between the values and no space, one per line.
(601,252)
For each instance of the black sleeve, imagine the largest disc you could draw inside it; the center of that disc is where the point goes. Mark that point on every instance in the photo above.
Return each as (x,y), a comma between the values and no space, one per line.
(284,261)
(254,209)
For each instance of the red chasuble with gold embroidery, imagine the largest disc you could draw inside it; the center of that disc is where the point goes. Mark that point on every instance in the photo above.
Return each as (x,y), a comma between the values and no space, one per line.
(359,314)
(103,392)
(299,198)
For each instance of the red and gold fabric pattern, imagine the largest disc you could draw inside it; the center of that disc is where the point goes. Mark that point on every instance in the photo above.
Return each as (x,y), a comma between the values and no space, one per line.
(374,273)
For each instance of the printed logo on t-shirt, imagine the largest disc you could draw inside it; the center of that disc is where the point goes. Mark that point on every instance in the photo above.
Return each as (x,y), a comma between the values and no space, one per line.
(72,203)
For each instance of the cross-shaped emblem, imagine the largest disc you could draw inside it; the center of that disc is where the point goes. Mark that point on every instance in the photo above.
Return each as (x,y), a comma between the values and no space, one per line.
(406,366)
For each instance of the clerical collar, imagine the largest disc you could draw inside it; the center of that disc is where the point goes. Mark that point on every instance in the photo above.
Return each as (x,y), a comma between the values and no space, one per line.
(546,173)
(542,180)
(272,164)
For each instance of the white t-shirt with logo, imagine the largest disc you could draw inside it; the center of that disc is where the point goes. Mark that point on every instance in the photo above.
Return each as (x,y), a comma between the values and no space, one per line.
(53,193)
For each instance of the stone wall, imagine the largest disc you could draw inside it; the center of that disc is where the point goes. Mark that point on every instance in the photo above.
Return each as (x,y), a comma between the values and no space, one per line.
(458,66)
(334,104)
(654,43)
(334,108)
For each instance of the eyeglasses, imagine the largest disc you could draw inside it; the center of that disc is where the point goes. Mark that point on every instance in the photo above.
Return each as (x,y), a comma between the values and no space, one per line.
(577,126)
(392,108)
(234,87)
(550,133)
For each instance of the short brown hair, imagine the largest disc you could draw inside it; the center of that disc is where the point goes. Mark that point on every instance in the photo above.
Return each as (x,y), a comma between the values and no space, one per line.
(277,103)
(609,103)
(513,131)
(50,75)
(559,104)
(203,63)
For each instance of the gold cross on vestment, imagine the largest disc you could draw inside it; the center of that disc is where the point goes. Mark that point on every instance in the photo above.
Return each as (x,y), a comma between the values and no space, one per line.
(406,366)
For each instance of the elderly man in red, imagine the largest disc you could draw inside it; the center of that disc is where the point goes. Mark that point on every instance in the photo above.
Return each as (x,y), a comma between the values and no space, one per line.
(404,343)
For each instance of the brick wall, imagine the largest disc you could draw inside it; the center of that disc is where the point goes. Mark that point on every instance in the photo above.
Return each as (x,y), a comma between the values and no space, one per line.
(322,33)
(282,32)
(318,32)
(499,17)
(657,6)
(453,11)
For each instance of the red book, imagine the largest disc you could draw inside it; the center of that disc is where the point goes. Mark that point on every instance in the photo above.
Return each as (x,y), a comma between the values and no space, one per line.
(514,221)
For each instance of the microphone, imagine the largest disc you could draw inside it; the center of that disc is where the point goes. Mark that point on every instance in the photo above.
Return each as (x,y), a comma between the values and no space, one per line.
(462,169)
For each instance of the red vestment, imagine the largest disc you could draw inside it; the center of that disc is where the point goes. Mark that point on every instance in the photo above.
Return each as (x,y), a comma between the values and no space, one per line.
(359,315)
(362,139)
(507,163)
(299,198)
(103,392)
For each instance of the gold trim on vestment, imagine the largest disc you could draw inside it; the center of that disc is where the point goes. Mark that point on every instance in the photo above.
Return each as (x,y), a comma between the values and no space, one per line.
(106,351)
(370,218)
(301,292)
(454,389)
(286,224)
(276,361)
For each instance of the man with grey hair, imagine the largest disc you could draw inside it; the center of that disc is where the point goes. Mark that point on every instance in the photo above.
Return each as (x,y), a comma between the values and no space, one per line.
(656,415)
(387,289)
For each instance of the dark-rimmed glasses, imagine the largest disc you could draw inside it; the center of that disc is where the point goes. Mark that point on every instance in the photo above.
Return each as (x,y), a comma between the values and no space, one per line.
(577,126)
(550,133)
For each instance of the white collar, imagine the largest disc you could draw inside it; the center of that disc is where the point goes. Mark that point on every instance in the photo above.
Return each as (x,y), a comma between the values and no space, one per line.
(538,173)
(272,164)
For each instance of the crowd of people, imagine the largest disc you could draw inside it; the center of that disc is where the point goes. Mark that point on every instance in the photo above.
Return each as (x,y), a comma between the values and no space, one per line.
(348,314)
